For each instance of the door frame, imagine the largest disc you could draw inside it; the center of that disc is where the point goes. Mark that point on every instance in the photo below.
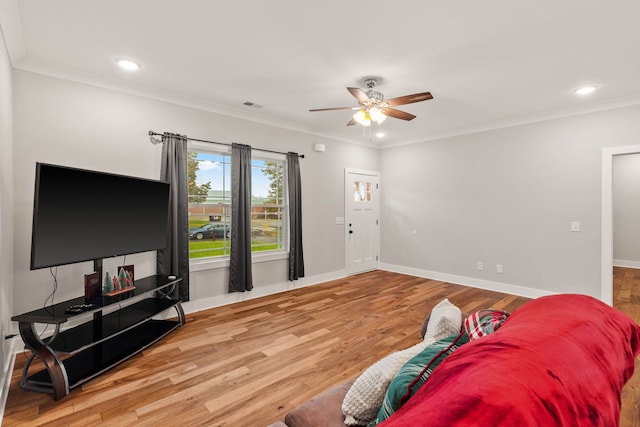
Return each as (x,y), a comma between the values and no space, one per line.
(347,194)
(606,265)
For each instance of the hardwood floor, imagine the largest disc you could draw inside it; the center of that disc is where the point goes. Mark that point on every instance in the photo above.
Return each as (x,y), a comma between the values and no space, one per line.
(626,298)
(249,363)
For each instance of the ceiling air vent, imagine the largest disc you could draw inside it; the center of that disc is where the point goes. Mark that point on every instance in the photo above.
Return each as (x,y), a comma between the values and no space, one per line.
(251,104)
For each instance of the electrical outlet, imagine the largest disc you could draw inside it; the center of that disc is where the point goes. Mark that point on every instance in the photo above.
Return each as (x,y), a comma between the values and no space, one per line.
(499,268)
(480,265)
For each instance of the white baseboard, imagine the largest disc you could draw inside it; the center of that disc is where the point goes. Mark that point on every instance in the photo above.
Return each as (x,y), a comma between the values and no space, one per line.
(626,263)
(259,291)
(468,281)
(7,372)
(231,298)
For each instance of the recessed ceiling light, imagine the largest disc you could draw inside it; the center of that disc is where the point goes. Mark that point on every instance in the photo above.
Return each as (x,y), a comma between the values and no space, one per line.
(127,64)
(380,134)
(585,90)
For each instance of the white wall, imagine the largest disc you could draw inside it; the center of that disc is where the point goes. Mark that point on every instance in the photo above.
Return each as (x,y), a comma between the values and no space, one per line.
(504,197)
(68,123)
(6,218)
(626,210)
(501,197)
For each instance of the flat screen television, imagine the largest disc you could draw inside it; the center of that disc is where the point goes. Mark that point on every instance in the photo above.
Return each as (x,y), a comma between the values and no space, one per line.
(82,215)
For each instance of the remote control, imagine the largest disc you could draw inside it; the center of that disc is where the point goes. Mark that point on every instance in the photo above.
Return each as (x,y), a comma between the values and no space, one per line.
(79,308)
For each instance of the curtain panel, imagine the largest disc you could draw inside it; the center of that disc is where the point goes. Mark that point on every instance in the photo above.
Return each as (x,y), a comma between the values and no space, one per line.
(296,259)
(240,274)
(174,259)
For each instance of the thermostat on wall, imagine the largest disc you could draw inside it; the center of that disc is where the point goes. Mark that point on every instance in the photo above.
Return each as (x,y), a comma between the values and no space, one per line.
(319,148)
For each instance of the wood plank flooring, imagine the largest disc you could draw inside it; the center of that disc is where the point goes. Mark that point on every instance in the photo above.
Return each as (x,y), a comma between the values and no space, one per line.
(626,298)
(248,364)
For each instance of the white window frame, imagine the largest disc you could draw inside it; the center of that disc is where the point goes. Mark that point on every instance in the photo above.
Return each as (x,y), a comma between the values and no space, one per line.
(212,263)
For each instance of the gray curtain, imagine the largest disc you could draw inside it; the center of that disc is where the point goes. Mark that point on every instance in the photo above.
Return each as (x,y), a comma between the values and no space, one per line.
(296,260)
(174,259)
(240,276)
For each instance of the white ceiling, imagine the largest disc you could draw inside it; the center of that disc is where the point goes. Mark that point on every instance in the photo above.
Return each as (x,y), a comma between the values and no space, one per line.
(487,63)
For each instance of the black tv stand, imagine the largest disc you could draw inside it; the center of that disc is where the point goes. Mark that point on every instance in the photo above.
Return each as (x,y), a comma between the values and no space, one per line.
(104,340)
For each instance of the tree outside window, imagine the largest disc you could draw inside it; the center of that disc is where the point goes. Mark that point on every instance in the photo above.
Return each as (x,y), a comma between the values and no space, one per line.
(267,209)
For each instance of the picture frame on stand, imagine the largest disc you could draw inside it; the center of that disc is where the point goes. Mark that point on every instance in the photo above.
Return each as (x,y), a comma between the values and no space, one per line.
(92,288)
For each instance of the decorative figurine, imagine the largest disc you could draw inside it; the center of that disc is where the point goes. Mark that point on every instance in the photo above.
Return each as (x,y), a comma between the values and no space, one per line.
(129,279)
(122,278)
(108,285)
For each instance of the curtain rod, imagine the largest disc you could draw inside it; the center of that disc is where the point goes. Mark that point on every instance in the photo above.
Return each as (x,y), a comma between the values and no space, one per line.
(152,133)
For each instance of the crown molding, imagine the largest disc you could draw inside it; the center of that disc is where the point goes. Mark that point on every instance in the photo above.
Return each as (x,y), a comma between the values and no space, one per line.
(12,31)
(612,104)
(91,79)
(11,28)
(82,76)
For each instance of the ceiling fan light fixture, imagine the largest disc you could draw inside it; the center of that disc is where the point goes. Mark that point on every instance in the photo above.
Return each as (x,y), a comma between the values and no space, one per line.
(366,115)
(362,117)
(377,115)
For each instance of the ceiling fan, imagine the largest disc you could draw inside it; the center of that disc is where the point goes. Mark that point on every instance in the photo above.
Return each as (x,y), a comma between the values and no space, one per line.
(373,106)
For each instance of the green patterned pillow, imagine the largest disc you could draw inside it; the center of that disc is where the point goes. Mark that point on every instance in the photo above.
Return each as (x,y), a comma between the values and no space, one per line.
(412,375)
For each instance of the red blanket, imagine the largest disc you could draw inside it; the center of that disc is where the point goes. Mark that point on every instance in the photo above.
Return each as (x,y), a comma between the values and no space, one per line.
(557,361)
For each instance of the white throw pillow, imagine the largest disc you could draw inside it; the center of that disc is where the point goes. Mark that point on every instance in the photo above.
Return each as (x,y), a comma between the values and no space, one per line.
(364,399)
(445,320)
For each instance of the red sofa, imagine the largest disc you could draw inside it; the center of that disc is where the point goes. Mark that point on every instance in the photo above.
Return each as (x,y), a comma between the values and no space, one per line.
(556,361)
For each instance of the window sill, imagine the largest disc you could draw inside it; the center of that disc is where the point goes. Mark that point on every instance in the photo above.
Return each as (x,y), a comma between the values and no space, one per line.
(223,262)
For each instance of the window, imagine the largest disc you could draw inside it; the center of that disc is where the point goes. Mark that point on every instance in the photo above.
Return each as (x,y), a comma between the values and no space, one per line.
(209,189)
(268,208)
(362,191)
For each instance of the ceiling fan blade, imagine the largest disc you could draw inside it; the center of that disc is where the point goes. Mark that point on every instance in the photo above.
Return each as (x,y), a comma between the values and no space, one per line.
(336,108)
(352,122)
(359,94)
(397,114)
(408,99)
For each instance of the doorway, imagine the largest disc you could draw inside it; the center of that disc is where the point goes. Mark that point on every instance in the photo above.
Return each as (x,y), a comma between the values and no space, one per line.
(362,224)
(606,268)
(626,259)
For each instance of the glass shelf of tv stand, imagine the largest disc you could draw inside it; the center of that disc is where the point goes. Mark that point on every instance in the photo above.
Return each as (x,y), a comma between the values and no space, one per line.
(101,342)
(55,314)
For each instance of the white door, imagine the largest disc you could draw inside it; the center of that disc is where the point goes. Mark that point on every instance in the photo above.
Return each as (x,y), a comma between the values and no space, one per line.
(362,225)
